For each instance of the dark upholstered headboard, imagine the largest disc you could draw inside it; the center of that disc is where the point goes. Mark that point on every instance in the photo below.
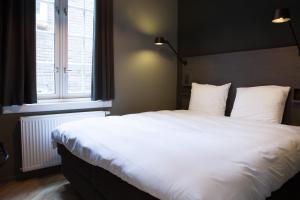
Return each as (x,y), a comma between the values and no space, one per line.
(278,66)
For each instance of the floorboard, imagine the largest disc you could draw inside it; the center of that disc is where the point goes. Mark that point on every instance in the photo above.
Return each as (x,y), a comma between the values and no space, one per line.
(53,187)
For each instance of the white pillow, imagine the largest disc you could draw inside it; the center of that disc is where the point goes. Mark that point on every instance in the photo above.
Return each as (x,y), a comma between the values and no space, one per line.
(262,103)
(209,99)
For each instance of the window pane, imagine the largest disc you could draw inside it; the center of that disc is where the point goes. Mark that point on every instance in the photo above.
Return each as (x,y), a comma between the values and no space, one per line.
(45,47)
(80,45)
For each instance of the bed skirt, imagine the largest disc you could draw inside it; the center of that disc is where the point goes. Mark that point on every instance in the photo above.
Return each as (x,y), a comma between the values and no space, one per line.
(95,183)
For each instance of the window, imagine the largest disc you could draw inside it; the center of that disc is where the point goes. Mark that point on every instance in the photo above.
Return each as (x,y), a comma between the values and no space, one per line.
(64,43)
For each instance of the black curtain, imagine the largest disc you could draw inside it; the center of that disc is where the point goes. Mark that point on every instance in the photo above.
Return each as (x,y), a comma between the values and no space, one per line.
(103,52)
(17,54)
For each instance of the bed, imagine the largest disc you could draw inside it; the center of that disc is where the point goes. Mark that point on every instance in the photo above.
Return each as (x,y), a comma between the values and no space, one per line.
(175,155)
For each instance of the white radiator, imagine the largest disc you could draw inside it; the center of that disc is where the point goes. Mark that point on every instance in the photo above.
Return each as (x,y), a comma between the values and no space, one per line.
(37,149)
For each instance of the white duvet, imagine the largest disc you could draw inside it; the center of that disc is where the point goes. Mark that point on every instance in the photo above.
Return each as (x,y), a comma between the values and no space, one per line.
(179,155)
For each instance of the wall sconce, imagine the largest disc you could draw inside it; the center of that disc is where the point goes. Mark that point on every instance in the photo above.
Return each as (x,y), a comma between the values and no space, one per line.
(282,15)
(159,41)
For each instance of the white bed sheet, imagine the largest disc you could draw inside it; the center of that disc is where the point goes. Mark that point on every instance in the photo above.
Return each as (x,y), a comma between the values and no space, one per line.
(180,155)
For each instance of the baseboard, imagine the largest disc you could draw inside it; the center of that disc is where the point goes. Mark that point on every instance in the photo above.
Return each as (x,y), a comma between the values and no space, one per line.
(38,173)
(7,178)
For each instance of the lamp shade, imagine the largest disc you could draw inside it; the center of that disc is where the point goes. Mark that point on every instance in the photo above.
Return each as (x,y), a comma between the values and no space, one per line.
(159,41)
(282,15)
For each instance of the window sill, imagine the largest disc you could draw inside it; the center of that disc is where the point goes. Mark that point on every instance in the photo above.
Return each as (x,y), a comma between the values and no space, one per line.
(57,105)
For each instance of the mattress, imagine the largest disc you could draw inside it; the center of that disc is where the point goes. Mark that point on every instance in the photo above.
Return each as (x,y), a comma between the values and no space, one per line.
(183,155)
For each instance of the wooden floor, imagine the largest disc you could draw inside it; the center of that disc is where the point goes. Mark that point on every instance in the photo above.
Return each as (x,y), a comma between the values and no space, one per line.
(54,187)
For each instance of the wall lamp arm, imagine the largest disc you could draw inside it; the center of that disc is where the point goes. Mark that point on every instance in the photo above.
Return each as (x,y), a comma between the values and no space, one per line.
(161,41)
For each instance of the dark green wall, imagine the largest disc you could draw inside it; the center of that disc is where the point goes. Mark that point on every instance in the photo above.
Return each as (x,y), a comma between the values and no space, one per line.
(214,26)
(145,76)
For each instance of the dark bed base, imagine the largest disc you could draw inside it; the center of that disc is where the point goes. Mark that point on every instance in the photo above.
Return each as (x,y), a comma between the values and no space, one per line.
(95,183)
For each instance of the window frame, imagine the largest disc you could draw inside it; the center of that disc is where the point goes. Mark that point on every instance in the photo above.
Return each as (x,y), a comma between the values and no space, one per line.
(61,55)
